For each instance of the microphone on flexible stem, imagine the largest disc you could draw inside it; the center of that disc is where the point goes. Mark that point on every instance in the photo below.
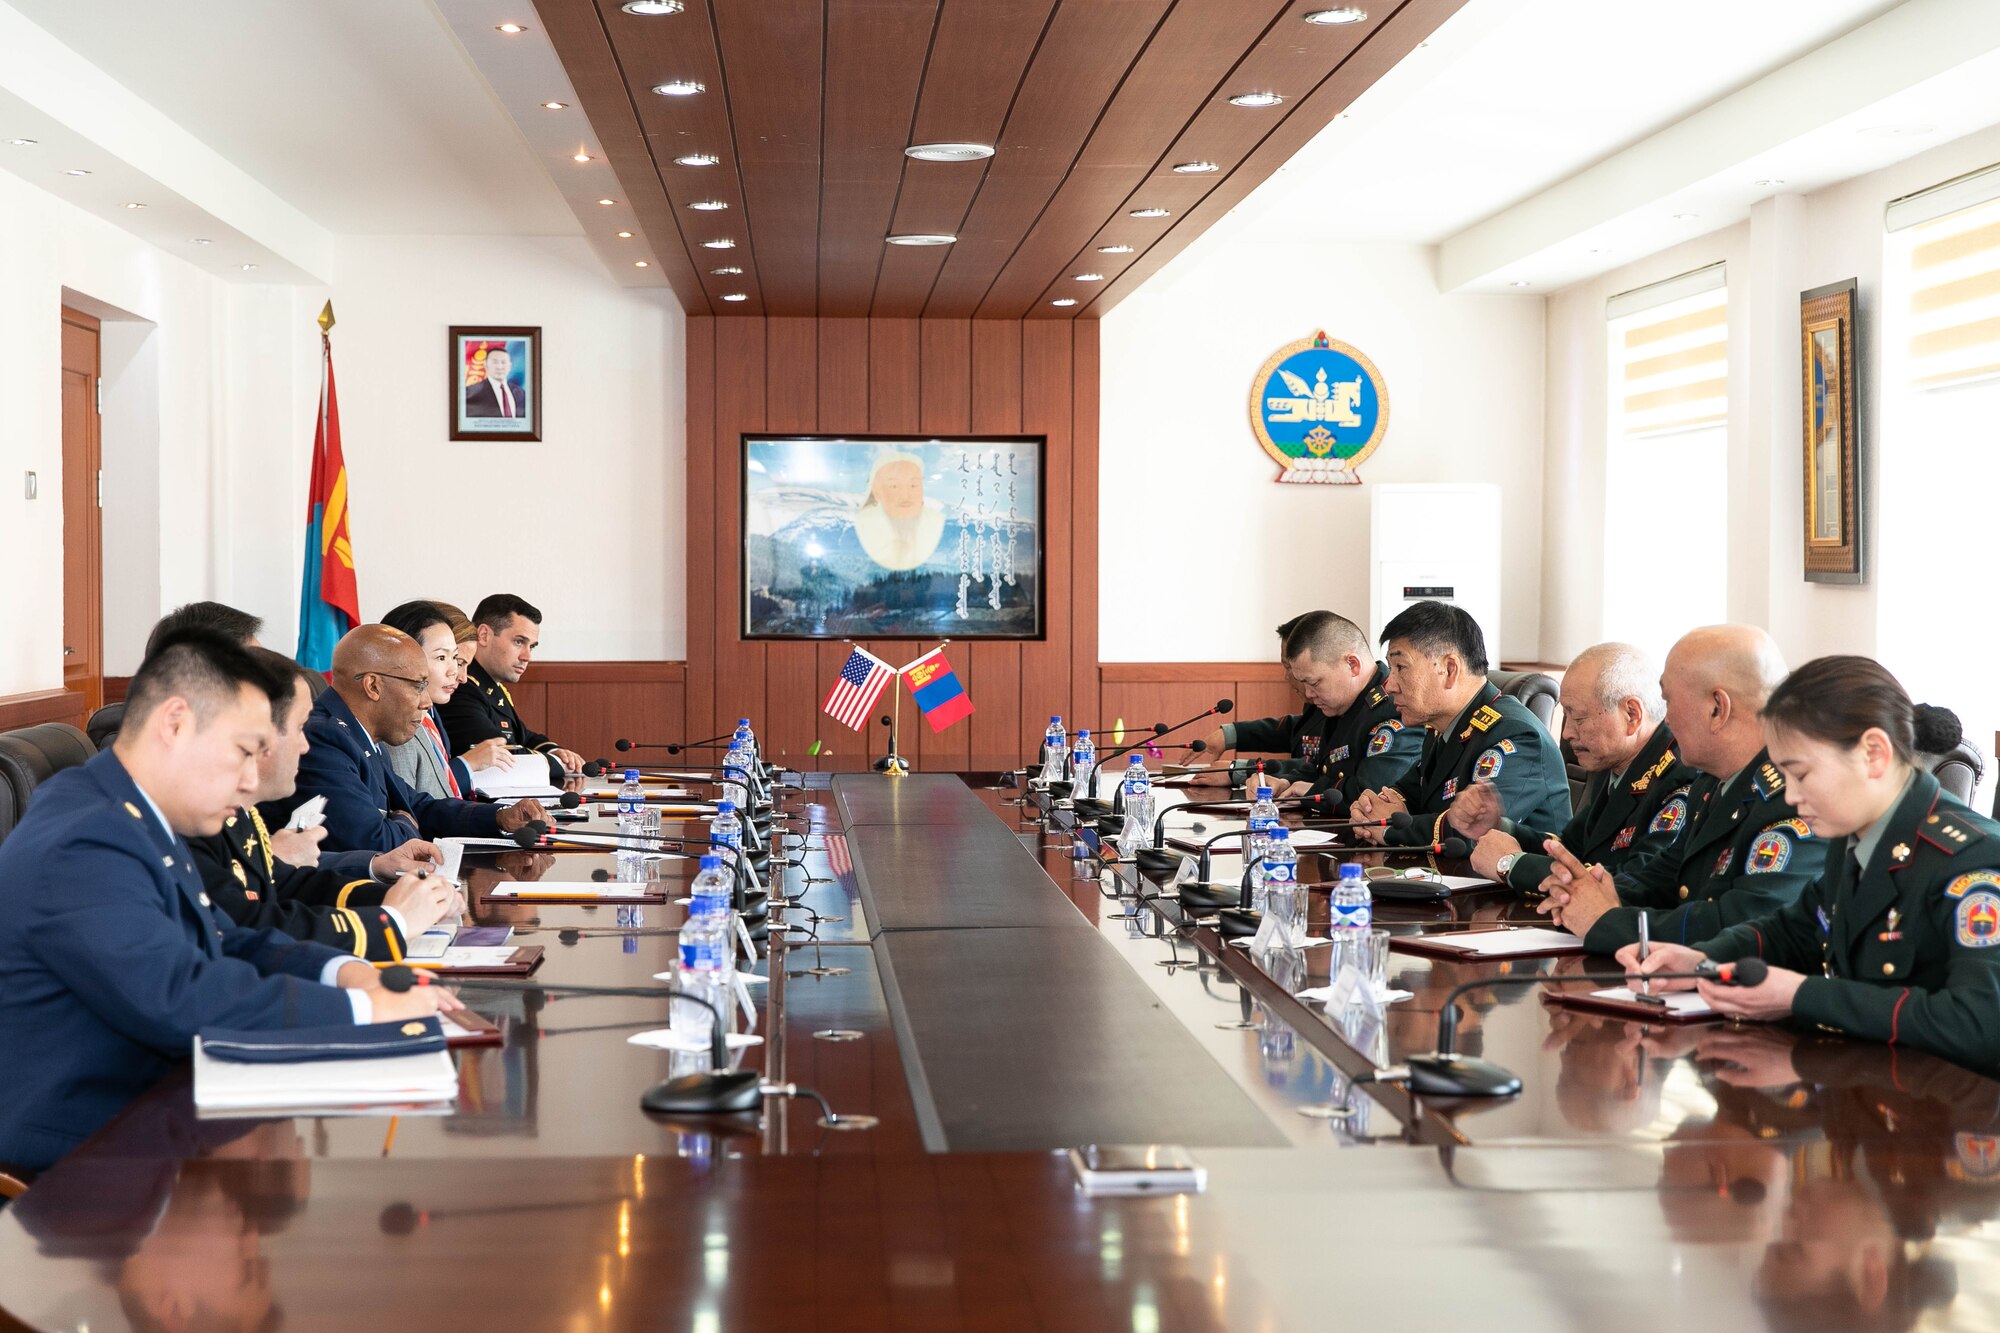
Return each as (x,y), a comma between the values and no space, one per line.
(1201,807)
(1221,706)
(535,833)
(622,744)
(1445,1073)
(1390,822)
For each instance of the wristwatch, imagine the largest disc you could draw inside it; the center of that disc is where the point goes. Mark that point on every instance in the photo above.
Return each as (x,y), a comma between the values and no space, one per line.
(1505,866)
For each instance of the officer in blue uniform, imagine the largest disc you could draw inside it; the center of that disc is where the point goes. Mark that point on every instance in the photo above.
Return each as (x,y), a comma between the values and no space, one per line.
(378,698)
(113,957)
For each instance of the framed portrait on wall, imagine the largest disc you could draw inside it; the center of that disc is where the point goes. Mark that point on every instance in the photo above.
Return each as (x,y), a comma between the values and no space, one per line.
(496,382)
(1834,512)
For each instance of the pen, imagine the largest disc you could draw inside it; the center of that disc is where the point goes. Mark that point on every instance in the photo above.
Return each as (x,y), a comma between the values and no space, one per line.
(1645,983)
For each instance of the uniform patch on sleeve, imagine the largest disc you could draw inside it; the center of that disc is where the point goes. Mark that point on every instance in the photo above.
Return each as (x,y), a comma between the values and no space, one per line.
(1771,852)
(1670,817)
(1624,838)
(1380,739)
(1979,919)
(1972,880)
(1487,767)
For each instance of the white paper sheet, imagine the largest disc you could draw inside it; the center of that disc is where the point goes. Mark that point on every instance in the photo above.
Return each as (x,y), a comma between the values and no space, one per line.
(529,777)
(1680,1001)
(1501,943)
(393,1079)
(567,888)
(480,956)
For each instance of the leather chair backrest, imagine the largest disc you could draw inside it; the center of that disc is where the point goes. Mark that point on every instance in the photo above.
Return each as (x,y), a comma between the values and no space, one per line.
(10,807)
(318,682)
(1959,769)
(1577,776)
(33,755)
(1539,692)
(102,728)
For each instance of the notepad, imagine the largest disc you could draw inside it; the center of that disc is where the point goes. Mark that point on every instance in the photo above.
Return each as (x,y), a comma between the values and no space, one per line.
(1505,943)
(475,957)
(569,888)
(309,815)
(1678,1002)
(528,778)
(398,1080)
(464,845)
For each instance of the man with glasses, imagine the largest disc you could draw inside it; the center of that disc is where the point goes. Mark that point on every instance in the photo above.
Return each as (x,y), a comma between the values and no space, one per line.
(378,699)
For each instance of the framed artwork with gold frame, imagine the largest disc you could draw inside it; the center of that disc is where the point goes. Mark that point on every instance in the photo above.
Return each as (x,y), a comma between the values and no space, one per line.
(1835,518)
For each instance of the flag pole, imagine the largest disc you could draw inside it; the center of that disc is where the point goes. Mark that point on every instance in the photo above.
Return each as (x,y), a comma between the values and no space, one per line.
(893,764)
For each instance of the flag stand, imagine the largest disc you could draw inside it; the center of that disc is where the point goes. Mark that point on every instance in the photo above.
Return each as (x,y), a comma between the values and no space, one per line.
(893,763)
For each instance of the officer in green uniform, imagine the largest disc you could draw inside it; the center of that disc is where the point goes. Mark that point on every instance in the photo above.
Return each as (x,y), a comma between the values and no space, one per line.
(1472,732)
(1899,940)
(1635,802)
(481,709)
(1295,736)
(1744,853)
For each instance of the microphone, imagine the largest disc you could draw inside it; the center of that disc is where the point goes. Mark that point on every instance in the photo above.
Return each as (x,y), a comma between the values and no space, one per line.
(535,834)
(1289,802)
(1390,822)
(1220,707)
(624,745)
(1445,1073)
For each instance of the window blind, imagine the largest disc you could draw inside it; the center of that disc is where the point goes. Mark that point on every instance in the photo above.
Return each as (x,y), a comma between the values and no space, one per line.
(1673,366)
(1954,298)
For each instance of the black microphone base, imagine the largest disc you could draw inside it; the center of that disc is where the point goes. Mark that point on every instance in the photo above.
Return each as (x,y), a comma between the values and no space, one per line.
(893,764)
(724,1093)
(1460,1076)
(1159,864)
(1201,901)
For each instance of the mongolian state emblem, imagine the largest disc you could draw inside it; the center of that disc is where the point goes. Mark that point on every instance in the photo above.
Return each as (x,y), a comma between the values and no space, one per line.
(1319,408)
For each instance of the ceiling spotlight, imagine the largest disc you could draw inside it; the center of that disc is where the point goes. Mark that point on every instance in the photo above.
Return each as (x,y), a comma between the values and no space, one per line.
(726,271)
(1064,300)
(76,171)
(734,296)
(1114,249)
(640,263)
(624,235)
(923,238)
(1255,99)
(679,88)
(1520,284)
(1686,217)
(1090,277)
(1194,168)
(708,205)
(246,267)
(509,28)
(697,160)
(652,8)
(22,143)
(720,243)
(200,240)
(135,205)
(1331,18)
(948,152)
(1147,213)
(555,106)
(1896,131)
(579,156)
(607,202)
(1769,180)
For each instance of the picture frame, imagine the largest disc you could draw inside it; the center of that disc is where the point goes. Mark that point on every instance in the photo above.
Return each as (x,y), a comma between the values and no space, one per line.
(1831,448)
(868,536)
(479,413)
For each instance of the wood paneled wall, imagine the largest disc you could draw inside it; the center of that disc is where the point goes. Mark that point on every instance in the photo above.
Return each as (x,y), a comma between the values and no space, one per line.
(889,376)
(1143,693)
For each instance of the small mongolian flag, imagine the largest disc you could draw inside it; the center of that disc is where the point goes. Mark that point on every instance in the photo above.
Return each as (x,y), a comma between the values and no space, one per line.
(935,686)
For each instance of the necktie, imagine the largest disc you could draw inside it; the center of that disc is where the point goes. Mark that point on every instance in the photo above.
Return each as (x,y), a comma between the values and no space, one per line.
(506,399)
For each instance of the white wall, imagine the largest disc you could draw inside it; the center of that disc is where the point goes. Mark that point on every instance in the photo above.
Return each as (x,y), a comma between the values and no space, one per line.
(1182,471)
(1790,244)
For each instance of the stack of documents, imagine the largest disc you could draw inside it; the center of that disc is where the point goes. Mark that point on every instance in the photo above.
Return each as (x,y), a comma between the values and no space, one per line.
(529,777)
(399,1082)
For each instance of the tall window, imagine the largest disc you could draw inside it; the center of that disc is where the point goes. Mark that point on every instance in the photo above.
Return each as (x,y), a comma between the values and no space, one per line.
(1666,460)
(1940,450)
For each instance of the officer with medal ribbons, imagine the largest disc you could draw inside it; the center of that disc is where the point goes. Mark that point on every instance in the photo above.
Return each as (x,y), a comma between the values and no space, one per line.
(509,629)
(1898,940)
(1745,851)
(1635,803)
(1472,733)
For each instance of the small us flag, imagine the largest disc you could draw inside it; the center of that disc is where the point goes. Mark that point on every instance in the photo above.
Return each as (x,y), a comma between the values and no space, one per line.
(861,683)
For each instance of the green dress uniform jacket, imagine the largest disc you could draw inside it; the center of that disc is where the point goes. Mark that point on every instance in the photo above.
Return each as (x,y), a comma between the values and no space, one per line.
(1646,812)
(1298,737)
(1495,739)
(1745,854)
(1905,950)
(253,888)
(1367,747)
(481,709)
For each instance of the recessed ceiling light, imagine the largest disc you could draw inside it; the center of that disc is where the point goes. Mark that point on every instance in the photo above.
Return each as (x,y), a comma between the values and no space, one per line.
(948,152)
(22,143)
(1896,131)
(1520,284)
(1064,300)
(697,160)
(1686,217)
(201,240)
(1147,213)
(708,205)
(1600,249)
(1090,277)
(1114,249)
(1255,99)
(652,8)
(246,267)
(76,171)
(923,238)
(720,243)
(1769,180)
(727,270)
(679,88)
(734,296)
(555,106)
(624,235)
(509,28)
(606,203)
(1194,168)
(1328,18)
(135,205)
(579,156)
(640,263)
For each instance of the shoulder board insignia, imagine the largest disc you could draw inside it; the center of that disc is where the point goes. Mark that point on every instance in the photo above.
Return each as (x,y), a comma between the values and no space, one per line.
(1375,698)
(1770,779)
(1645,780)
(1485,717)
(1950,834)
(133,810)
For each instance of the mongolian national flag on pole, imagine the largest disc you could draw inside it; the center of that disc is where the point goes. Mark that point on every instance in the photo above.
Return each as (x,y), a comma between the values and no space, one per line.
(935,686)
(328,603)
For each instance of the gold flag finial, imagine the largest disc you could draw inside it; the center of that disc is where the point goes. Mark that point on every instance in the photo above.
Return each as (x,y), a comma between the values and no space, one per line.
(326,318)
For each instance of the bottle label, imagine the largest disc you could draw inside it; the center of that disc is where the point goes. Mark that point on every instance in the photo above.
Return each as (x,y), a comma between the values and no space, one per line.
(1279,872)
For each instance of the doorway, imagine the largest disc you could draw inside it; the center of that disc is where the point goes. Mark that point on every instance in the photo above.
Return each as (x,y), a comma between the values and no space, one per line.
(83,516)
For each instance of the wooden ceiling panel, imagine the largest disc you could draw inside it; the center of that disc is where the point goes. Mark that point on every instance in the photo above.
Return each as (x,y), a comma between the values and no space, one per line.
(1088,103)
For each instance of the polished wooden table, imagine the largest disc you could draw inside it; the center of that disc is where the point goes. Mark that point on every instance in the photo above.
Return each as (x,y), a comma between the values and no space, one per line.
(1645,1177)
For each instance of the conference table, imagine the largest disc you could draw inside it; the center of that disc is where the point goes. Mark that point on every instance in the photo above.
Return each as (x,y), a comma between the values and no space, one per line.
(972,1000)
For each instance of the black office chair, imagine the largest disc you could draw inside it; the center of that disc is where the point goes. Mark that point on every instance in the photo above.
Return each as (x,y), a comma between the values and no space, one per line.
(10,807)
(1577,777)
(1959,769)
(318,683)
(42,752)
(102,728)
(1539,692)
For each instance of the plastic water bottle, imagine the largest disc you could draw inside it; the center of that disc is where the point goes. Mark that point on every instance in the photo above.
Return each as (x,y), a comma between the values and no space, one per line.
(631,806)
(734,786)
(1263,818)
(726,829)
(1138,828)
(708,952)
(748,735)
(1082,761)
(1055,745)
(1353,914)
